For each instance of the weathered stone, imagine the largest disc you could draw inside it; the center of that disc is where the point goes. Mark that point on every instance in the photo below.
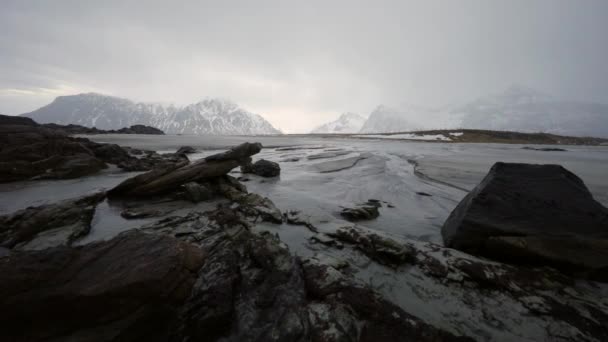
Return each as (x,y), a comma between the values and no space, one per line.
(382,249)
(533,214)
(262,167)
(186,150)
(49,225)
(364,212)
(128,288)
(162,181)
(197,192)
(131,214)
(75,166)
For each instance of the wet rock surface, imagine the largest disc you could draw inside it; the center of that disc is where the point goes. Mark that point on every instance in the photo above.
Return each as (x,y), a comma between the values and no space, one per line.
(165,180)
(186,150)
(129,288)
(494,295)
(263,168)
(367,211)
(243,270)
(533,214)
(49,225)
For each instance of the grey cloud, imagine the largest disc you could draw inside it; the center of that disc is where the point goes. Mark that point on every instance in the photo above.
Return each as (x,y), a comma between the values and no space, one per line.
(301,63)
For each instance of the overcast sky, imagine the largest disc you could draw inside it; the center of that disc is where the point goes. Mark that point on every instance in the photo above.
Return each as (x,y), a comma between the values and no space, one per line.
(301,63)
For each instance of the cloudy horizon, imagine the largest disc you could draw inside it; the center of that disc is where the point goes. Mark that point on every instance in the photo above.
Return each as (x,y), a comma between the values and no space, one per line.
(301,65)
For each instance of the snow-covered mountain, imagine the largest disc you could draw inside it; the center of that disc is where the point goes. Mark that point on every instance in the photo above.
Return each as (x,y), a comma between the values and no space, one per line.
(387,120)
(210,116)
(346,123)
(527,110)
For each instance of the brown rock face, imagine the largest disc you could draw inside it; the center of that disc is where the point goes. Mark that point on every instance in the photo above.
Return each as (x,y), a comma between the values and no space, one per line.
(533,214)
(128,288)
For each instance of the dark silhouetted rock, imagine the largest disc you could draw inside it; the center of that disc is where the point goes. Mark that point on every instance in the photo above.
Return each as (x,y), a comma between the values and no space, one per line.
(140,129)
(360,213)
(197,192)
(186,150)
(532,214)
(263,167)
(75,166)
(544,149)
(129,288)
(16,120)
(49,225)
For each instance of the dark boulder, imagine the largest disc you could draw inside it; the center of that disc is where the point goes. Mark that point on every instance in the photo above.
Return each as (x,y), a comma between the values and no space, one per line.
(196,192)
(186,150)
(129,288)
(532,214)
(360,213)
(262,167)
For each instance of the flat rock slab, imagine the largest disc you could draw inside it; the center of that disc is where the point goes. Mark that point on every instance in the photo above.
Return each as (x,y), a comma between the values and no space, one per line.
(533,214)
(49,225)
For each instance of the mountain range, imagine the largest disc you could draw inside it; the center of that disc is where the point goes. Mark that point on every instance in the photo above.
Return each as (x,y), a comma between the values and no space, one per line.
(517,108)
(346,123)
(210,116)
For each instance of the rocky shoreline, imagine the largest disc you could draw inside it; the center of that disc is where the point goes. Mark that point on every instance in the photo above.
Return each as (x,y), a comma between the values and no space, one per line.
(218,275)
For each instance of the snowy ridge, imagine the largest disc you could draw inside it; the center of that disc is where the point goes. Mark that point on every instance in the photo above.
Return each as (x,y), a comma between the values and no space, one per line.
(387,120)
(518,108)
(210,116)
(346,123)
(526,110)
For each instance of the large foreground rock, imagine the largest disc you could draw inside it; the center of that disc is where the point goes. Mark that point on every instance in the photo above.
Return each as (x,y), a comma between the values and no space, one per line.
(221,283)
(532,214)
(127,289)
(162,181)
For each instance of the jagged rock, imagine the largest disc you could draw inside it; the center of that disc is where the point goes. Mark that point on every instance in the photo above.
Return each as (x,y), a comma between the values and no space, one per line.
(251,288)
(364,212)
(186,150)
(382,249)
(294,217)
(533,214)
(49,225)
(139,213)
(262,167)
(168,179)
(32,151)
(497,297)
(197,192)
(129,288)
(249,203)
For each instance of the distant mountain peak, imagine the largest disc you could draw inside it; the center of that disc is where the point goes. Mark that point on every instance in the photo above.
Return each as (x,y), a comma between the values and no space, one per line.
(346,123)
(208,116)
